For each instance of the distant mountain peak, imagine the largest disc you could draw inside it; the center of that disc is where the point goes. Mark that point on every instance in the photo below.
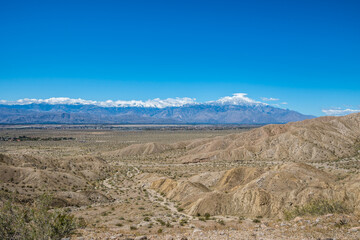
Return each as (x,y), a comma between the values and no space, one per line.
(238,109)
(237,99)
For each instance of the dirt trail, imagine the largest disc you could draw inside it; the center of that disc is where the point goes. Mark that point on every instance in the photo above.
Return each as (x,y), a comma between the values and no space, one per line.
(153,196)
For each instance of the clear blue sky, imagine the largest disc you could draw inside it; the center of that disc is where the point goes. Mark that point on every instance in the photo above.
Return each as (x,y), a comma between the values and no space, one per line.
(304,52)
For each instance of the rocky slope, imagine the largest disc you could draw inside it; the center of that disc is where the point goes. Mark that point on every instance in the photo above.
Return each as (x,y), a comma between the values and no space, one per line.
(68,179)
(251,192)
(323,138)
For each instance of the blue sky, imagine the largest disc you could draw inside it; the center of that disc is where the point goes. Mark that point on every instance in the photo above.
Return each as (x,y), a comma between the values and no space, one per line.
(305,53)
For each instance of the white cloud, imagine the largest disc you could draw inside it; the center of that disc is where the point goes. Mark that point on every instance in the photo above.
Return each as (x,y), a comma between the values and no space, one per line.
(284,103)
(236,99)
(269,99)
(339,112)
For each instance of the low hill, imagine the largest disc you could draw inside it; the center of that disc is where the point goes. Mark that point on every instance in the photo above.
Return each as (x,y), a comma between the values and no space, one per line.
(67,178)
(323,138)
(251,192)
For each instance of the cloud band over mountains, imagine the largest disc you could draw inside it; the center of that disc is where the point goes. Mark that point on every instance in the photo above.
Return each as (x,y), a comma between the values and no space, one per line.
(236,99)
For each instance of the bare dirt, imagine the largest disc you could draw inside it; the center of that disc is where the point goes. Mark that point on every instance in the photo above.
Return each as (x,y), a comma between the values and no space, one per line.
(228,183)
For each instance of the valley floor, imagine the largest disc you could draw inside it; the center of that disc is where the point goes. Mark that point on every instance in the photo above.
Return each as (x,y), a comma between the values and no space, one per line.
(116,198)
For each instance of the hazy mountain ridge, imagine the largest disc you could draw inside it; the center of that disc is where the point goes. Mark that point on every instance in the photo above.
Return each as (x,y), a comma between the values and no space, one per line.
(211,113)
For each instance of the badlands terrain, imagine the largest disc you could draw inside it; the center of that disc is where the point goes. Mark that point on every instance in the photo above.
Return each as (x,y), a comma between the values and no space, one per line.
(299,180)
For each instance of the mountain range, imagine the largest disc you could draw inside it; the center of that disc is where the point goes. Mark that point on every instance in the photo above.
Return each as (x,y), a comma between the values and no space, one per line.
(237,109)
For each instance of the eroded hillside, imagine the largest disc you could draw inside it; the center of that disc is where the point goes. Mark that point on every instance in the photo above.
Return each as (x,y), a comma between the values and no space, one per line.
(324,138)
(251,192)
(192,182)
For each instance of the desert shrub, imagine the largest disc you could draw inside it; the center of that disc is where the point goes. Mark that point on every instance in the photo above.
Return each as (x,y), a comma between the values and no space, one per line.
(161,222)
(221,222)
(35,221)
(316,208)
(183,222)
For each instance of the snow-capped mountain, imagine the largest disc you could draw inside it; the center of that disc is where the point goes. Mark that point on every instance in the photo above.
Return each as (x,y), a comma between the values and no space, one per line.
(237,109)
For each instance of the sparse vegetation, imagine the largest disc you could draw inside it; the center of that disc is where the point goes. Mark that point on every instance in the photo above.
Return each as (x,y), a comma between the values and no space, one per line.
(316,208)
(35,221)
(161,222)
(183,222)
(221,222)
(112,191)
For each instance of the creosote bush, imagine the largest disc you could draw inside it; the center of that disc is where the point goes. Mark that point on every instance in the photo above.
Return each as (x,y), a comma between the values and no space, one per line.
(35,221)
(316,208)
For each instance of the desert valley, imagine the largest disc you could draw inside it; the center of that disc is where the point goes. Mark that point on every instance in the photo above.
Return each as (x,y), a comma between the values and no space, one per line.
(299,180)
(179,120)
